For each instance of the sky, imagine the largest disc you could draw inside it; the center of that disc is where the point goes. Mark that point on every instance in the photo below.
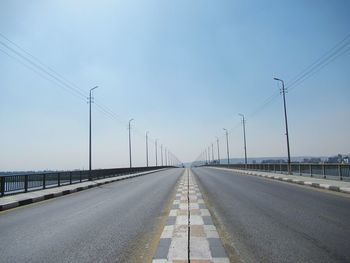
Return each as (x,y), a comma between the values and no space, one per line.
(183,70)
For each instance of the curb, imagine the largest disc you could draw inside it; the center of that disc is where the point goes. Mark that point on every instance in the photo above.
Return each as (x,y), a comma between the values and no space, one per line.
(14,204)
(334,188)
(345,190)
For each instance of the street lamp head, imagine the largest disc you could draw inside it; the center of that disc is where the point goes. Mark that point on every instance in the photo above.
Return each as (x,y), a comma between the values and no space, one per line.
(279,80)
(93,88)
(131,120)
(240,114)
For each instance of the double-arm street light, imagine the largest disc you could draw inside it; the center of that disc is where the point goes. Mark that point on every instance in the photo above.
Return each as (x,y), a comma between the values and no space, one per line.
(130,142)
(245,142)
(90,102)
(228,151)
(283,91)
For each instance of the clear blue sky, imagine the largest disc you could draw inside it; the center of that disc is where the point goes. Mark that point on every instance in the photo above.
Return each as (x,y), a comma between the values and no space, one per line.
(182,69)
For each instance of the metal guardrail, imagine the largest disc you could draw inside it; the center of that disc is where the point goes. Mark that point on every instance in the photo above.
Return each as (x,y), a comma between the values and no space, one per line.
(324,170)
(22,183)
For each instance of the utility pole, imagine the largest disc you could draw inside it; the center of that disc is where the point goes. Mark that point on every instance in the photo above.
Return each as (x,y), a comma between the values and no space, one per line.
(130,142)
(156,153)
(161,153)
(147,148)
(212,152)
(228,151)
(245,142)
(90,102)
(166,158)
(283,91)
(217,143)
(209,154)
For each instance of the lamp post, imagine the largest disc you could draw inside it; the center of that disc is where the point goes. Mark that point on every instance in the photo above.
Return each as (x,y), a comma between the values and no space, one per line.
(155,143)
(209,154)
(147,148)
(217,143)
(283,91)
(161,153)
(228,151)
(245,142)
(90,102)
(130,142)
(212,152)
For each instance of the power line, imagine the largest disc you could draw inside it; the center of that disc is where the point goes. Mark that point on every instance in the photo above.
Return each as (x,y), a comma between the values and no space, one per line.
(31,62)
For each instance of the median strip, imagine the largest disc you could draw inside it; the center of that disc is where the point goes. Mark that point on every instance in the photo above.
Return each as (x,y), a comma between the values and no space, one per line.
(189,234)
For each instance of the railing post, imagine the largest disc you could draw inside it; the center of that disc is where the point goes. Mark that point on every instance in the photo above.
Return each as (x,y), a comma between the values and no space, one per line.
(274,167)
(299,169)
(70,177)
(340,172)
(2,185)
(80,175)
(44,181)
(310,170)
(58,179)
(324,170)
(26,183)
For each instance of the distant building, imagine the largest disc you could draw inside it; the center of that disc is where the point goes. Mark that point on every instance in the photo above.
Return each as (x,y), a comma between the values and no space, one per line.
(273,161)
(312,160)
(339,159)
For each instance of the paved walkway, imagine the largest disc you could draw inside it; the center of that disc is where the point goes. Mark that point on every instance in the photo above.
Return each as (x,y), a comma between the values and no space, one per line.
(333,185)
(189,234)
(12,201)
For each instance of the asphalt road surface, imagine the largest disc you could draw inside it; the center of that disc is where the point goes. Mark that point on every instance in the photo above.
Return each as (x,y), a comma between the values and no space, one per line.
(102,224)
(271,221)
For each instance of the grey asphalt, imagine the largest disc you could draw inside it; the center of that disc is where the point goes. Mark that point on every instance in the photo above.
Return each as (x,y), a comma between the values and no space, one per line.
(271,221)
(103,224)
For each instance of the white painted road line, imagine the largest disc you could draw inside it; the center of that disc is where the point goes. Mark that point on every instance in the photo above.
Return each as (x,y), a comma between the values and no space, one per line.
(189,232)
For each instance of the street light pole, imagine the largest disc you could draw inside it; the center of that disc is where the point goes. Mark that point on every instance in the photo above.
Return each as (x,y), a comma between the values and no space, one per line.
(166,157)
(130,142)
(283,91)
(90,102)
(156,153)
(161,153)
(217,143)
(245,142)
(147,148)
(228,151)
(209,154)
(206,156)
(212,152)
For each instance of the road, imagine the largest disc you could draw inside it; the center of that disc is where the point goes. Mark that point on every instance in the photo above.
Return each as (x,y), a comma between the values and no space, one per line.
(272,221)
(112,223)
